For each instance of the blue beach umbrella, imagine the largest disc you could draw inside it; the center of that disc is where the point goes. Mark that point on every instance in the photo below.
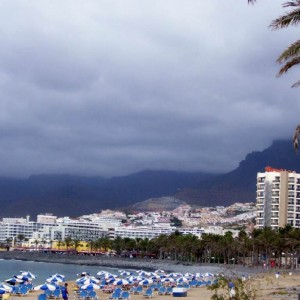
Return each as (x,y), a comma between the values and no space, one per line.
(58,275)
(146,282)
(125,273)
(2,291)
(121,282)
(182,280)
(144,273)
(55,279)
(28,274)
(23,278)
(6,287)
(90,286)
(90,280)
(13,280)
(167,279)
(45,287)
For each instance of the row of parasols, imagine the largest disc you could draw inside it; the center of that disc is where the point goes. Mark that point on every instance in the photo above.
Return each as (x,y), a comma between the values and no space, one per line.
(88,282)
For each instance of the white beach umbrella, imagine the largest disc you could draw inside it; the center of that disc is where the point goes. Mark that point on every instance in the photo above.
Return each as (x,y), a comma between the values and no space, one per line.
(102,273)
(146,282)
(144,273)
(13,280)
(54,279)
(28,274)
(167,279)
(91,286)
(160,271)
(182,279)
(110,276)
(6,287)
(90,280)
(121,282)
(174,275)
(2,291)
(125,273)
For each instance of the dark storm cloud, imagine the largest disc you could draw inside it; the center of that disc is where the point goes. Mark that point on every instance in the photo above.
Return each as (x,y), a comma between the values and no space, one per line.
(113,87)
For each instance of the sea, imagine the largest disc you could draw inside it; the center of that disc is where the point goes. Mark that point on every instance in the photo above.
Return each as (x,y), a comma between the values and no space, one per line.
(9,268)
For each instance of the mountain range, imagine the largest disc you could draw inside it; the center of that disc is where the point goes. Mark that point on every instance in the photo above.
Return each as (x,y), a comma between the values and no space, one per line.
(69,195)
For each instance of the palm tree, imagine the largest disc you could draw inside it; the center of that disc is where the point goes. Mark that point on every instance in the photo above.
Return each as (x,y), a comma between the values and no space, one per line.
(76,244)
(68,242)
(290,57)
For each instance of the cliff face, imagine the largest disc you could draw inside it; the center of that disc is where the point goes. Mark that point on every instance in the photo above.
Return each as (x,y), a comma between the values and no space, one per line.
(76,195)
(239,185)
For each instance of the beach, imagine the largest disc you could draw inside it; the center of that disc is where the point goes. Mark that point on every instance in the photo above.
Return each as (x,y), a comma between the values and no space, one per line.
(263,281)
(267,286)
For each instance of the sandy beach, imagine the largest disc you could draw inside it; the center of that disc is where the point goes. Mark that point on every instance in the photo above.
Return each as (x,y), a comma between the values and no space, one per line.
(263,281)
(266,285)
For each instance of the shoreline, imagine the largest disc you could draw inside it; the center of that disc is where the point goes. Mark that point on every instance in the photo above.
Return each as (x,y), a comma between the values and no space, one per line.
(134,263)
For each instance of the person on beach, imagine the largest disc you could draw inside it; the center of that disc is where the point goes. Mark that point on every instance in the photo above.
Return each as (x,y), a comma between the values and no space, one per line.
(65,292)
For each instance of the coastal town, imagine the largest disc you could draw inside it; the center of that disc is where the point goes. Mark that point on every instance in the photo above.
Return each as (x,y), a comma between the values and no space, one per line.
(184,219)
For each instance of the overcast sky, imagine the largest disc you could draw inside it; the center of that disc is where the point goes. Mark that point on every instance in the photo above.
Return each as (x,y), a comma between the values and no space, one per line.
(114,87)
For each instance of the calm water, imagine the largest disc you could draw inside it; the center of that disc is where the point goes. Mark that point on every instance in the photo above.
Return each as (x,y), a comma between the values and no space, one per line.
(8,268)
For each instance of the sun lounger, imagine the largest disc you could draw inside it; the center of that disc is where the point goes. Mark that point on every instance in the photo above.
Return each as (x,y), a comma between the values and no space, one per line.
(148,293)
(124,295)
(169,290)
(162,291)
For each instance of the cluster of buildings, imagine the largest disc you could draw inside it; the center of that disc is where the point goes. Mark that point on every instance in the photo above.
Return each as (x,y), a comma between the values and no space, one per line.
(111,224)
(277,204)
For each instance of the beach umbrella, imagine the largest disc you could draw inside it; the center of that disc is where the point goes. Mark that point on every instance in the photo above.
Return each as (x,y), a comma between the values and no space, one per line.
(45,287)
(2,291)
(23,278)
(58,275)
(144,273)
(121,282)
(83,274)
(155,277)
(90,286)
(54,279)
(6,287)
(111,280)
(167,279)
(28,274)
(102,273)
(182,279)
(90,280)
(110,276)
(160,271)
(173,275)
(146,282)
(124,273)
(13,280)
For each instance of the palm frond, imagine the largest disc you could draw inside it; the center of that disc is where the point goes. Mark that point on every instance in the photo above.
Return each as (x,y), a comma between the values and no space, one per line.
(294,61)
(290,18)
(291,51)
(291,3)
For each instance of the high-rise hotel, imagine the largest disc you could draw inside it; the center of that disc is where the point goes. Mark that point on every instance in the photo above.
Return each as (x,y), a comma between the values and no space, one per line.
(278,198)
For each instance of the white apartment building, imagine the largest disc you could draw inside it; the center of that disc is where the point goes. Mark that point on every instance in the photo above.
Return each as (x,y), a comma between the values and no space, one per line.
(12,228)
(278,198)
